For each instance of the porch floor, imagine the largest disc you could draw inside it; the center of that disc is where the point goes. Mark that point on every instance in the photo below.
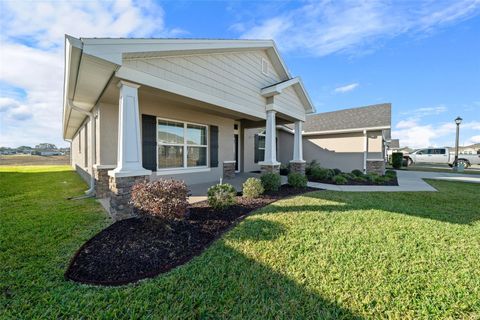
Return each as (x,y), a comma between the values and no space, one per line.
(199,191)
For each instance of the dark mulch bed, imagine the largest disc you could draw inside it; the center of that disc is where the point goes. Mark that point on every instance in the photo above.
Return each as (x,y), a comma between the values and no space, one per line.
(139,248)
(393,182)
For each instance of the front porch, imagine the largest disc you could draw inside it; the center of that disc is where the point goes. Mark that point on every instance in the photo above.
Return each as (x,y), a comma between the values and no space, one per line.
(198,192)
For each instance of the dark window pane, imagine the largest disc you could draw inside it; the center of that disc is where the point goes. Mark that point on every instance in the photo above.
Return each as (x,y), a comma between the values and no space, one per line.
(196,156)
(261,154)
(170,132)
(170,157)
(261,142)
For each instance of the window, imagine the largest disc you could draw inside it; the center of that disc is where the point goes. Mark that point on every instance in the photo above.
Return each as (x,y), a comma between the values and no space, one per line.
(261,147)
(439,151)
(264,67)
(181,145)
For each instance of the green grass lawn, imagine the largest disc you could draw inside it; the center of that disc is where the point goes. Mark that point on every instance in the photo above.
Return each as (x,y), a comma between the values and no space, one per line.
(321,255)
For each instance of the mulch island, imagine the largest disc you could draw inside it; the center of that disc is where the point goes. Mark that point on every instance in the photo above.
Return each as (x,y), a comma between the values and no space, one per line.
(142,247)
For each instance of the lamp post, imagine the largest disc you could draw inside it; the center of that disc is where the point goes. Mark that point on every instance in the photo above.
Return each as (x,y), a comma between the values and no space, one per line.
(458,120)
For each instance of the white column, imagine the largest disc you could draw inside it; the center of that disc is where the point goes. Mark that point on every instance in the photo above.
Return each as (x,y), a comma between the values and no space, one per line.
(129,152)
(365,151)
(270,140)
(297,142)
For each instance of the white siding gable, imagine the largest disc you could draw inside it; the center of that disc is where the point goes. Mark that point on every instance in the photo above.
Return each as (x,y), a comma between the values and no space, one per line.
(235,77)
(288,102)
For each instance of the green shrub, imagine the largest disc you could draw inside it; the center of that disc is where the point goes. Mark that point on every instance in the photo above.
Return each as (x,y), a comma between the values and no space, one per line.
(360,178)
(339,179)
(284,169)
(397,159)
(252,188)
(358,173)
(337,171)
(391,173)
(349,176)
(271,182)
(372,176)
(322,174)
(311,166)
(221,196)
(297,180)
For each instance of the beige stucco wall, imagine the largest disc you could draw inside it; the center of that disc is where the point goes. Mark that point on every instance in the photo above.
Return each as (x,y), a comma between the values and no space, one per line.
(342,151)
(80,156)
(173,111)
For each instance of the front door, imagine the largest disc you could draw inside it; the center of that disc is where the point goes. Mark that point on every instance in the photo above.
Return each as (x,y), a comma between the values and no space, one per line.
(236,151)
(236,145)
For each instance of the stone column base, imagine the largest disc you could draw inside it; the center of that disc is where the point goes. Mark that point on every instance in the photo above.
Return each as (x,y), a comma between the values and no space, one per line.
(102,189)
(377,166)
(298,166)
(120,192)
(229,169)
(269,168)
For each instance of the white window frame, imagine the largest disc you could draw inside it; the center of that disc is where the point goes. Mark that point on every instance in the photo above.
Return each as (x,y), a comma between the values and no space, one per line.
(185,146)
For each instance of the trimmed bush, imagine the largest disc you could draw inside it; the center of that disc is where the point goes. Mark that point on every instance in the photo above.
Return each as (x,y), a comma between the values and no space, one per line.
(252,188)
(164,198)
(284,169)
(391,173)
(360,178)
(337,171)
(358,173)
(338,179)
(397,159)
(221,196)
(322,174)
(311,166)
(271,182)
(349,176)
(297,180)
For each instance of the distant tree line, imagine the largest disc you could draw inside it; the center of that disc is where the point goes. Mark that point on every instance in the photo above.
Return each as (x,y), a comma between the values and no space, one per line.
(39,149)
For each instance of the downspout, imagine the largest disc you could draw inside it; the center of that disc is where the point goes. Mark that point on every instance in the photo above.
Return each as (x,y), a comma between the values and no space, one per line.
(365,151)
(91,190)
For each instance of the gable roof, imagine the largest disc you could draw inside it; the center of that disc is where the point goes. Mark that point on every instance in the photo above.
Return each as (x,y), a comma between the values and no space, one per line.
(91,63)
(373,116)
(298,86)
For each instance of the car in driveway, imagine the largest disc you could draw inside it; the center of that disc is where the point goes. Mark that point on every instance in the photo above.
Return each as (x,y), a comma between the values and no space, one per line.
(441,155)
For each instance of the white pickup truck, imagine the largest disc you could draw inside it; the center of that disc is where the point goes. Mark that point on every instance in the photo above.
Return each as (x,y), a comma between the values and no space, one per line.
(441,155)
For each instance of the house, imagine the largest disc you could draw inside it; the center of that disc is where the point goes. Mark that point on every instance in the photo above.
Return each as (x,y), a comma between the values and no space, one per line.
(139,109)
(347,139)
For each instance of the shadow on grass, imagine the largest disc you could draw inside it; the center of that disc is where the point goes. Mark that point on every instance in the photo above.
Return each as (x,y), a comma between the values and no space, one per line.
(226,283)
(455,202)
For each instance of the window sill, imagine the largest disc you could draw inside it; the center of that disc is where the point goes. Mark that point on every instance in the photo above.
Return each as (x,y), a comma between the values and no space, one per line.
(166,172)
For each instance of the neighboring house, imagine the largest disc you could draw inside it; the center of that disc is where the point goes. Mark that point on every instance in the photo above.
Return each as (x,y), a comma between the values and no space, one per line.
(152,108)
(347,139)
(471,149)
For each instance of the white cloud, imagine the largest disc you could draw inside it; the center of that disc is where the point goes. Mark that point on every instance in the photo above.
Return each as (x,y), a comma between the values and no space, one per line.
(346,88)
(31,55)
(324,27)
(473,140)
(426,111)
(416,135)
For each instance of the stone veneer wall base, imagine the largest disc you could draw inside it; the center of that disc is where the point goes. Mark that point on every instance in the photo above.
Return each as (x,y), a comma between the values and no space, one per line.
(269,168)
(229,169)
(377,166)
(102,189)
(120,191)
(298,167)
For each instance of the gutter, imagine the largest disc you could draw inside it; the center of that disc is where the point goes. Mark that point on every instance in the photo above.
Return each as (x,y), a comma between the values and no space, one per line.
(91,191)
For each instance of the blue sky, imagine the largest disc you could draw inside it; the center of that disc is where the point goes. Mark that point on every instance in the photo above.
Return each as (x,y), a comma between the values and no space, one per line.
(422,56)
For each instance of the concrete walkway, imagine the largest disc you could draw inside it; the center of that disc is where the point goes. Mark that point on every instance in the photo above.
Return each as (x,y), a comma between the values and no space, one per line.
(407,181)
